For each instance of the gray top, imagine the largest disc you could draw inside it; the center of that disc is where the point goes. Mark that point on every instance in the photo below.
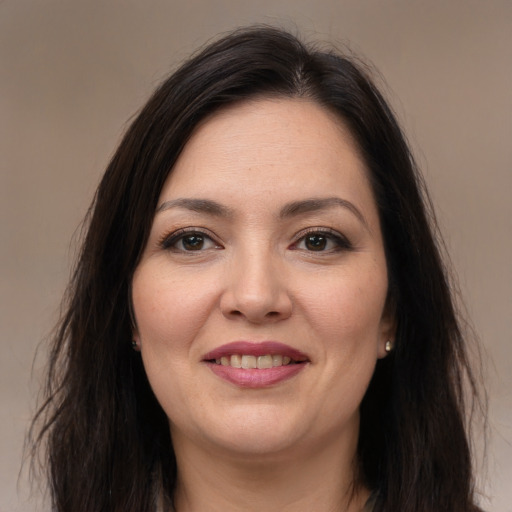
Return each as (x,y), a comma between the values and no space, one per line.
(370,504)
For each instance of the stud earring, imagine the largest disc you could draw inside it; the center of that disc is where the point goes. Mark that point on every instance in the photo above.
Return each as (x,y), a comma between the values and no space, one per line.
(135,345)
(389,346)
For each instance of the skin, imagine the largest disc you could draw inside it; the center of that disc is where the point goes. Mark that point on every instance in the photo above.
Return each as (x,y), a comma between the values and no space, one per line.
(256,277)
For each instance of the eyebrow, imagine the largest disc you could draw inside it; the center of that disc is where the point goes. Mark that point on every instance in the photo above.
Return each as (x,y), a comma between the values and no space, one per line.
(318,204)
(197,205)
(292,209)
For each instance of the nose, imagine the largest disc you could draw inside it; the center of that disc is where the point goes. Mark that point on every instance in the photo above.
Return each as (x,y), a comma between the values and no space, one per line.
(257,290)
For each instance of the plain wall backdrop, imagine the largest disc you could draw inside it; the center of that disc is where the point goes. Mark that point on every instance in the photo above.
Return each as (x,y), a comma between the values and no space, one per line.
(72,72)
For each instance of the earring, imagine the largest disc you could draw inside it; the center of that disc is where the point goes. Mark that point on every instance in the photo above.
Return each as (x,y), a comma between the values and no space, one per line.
(135,345)
(389,346)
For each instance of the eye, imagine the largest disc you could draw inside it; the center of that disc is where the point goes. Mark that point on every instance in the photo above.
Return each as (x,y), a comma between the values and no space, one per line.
(322,241)
(188,241)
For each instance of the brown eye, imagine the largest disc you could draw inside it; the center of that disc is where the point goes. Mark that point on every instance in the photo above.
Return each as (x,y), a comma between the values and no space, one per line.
(188,241)
(194,242)
(315,242)
(322,241)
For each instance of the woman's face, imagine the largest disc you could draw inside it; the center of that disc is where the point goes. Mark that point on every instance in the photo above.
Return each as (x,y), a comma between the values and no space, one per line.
(265,251)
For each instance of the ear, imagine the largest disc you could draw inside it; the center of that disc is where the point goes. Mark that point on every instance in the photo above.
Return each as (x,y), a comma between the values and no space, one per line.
(387,333)
(136,340)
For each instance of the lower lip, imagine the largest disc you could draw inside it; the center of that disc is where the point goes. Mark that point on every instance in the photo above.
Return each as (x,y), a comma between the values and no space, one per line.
(256,378)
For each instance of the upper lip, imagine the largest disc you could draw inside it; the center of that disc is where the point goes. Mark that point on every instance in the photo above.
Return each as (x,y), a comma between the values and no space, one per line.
(250,348)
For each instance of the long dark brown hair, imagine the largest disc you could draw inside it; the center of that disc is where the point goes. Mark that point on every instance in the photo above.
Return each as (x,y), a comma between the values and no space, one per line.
(105,440)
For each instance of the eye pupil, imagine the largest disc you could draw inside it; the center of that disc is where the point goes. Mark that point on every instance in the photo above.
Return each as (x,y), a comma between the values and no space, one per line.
(193,242)
(316,242)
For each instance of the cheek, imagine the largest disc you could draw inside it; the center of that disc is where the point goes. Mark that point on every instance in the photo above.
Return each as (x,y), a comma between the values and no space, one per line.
(169,314)
(169,310)
(347,308)
(347,324)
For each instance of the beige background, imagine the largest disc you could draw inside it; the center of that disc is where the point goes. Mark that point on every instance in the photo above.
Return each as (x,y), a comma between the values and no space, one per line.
(73,72)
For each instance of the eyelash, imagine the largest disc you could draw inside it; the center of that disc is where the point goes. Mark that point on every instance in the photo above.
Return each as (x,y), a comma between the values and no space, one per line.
(169,240)
(341,242)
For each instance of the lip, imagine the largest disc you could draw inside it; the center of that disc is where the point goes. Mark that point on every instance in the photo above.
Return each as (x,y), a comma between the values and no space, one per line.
(256,349)
(256,378)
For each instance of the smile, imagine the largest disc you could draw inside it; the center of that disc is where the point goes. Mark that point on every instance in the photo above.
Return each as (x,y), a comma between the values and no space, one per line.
(255,365)
(250,362)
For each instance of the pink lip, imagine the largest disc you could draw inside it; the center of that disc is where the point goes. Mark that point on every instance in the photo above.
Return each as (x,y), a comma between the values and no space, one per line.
(256,378)
(256,349)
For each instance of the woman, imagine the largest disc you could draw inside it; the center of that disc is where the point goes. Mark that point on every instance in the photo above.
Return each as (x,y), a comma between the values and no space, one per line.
(260,318)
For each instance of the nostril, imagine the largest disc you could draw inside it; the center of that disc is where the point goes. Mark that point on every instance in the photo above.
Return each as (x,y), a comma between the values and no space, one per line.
(254,306)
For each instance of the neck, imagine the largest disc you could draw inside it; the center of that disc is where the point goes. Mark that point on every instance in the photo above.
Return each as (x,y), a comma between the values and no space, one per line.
(319,480)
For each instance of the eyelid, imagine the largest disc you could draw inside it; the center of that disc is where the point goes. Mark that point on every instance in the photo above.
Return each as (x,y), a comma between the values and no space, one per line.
(168,239)
(342,242)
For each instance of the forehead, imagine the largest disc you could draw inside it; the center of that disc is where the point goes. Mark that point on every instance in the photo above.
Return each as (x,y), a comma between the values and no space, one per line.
(270,149)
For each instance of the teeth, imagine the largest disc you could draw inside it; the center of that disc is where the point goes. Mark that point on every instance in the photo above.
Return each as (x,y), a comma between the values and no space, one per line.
(277,360)
(236,361)
(250,362)
(265,362)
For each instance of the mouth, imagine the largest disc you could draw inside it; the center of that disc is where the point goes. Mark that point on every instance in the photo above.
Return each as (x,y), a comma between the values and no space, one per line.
(249,362)
(256,365)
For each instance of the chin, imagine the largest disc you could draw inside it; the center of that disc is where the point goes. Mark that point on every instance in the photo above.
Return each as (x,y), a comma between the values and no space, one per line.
(264,431)
(257,444)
